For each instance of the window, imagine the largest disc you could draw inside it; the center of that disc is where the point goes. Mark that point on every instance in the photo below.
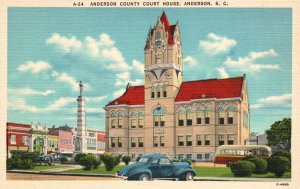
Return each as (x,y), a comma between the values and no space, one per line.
(133,120)
(158,39)
(207,114)
(206,156)
(180,141)
(162,120)
(13,139)
(198,139)
(119,142)
(133,142)
(230,117)
(198,116)
(155,141)
(113,142)
(199,156)
(156,120)
(230,140)
(152,91)
(141,120)
(207,140)
(189,140)
(221,117)
(165,161)
(158,91)
(162,141)
(180,156)
(221,140)
(189,156)
(141,141)
(113,123)
(165,90)
(159,119)
(153,162)
(189,118)
(180,118)
(120,119)
(133,123)
(25,139)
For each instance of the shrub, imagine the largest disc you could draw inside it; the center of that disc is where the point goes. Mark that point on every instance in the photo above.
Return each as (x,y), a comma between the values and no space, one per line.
(63,159)
(78,157)
(242,168)
(283,154)
(97,162)
(21,160)
(261,165)
(228,164)
(88,161)
(109,161)
(278,165)
(126,159)
(251,156)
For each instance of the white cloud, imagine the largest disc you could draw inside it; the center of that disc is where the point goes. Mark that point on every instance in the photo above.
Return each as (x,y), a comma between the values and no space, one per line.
(96,99)
(65,78)
(248,63)
(118,93)
(105,40)
(190,61)
(222,72)
(123,75)
(94,110)
(124,78)
(285,99)
(216,44)
(29,91)
(21,105)
(59,103)
(138,66)
(34,67)
(67,45)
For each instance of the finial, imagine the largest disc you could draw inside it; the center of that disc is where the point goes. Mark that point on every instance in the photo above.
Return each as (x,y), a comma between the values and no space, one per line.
(81,88)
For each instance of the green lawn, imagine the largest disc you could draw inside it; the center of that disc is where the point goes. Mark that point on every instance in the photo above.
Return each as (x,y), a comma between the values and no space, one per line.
(44,167)
(201,172)
(100,170)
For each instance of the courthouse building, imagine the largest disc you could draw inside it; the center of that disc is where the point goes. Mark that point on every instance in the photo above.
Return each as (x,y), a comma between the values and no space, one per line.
(186,120)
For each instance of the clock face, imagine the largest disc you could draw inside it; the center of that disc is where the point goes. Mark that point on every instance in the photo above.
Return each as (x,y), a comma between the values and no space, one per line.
(158,47)
(168,75)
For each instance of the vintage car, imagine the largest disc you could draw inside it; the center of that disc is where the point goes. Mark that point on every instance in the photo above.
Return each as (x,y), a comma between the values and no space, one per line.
(157,166)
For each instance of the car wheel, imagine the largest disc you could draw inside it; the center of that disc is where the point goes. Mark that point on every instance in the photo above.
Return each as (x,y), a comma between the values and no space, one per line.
(144,177)
(189,176)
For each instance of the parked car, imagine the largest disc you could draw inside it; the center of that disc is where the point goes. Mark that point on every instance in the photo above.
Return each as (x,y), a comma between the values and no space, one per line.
(157,166)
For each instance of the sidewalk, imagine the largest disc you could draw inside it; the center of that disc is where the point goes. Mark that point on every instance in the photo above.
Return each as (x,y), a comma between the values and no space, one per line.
(58,170)
(242,179)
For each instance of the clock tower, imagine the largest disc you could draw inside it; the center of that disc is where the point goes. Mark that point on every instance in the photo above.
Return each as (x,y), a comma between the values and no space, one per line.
(163,78)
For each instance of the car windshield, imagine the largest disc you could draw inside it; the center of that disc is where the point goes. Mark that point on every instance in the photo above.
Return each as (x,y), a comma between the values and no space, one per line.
(143,160)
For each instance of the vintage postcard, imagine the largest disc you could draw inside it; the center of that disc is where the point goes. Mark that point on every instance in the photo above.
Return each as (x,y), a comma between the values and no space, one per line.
(113,93)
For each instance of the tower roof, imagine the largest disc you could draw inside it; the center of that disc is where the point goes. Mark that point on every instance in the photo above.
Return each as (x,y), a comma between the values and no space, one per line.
(200,89)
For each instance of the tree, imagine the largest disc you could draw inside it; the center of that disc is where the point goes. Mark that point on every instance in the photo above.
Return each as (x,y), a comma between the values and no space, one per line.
(280,134)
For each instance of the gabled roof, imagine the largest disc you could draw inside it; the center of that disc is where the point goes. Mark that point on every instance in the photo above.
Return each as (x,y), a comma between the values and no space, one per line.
(200,89)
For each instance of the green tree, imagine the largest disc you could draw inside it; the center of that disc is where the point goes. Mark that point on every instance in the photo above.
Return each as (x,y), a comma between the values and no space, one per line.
(280,134)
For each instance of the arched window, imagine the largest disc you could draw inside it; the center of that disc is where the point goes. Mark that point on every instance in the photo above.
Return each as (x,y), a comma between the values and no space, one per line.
(180,118)
(120,119)
(221,115)
(165,90)
(158,91)
(198,116)
(158,39)
(113,120)
(207,115)
(133,120)
(230,113)
(141,119)
(189,119)
(152,91)
(159,119)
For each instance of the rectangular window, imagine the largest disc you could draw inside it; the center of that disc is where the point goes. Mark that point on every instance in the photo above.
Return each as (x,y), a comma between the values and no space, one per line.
(141,122)
(158,91)
(180,141)
(162,141)
(13,139)
(230,140)
(221,118)
(156,120)
(198,117)
(189,156)
(189,119)
(189,140)
(120,122)
(162,120)
(221,140)
(230,118)
(165,90)
(165,93)
(198,120)
(207,140)
(180,156)
(25,139)
(113,142)
(198,139)
(141,141)
(206,156)
(180,119)
(152,94)
(133,123)
(207,117)
(155,141)
(133,142)
(113,123)
(199,156)
(119,142)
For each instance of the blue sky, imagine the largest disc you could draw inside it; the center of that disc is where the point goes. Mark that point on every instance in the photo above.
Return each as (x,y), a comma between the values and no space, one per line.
(51,49)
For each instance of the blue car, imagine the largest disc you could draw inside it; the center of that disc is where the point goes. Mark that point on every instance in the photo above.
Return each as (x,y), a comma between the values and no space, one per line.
(157,166)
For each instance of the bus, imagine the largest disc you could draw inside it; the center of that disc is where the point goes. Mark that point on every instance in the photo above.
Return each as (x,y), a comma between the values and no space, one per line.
(233,153)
